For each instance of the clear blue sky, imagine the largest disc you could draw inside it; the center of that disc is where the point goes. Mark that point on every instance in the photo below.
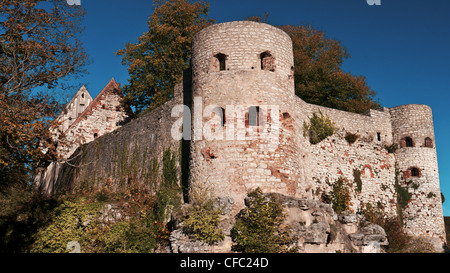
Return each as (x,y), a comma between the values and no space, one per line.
(402,47)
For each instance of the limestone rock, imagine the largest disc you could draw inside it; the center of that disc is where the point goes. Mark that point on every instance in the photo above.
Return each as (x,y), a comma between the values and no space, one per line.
(317,233)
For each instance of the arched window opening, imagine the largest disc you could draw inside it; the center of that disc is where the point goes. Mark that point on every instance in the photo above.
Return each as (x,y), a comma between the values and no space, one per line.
(406,142)
(82,95)
(95,135)
(409,142)
(221,61)
(415,172)
(379,136)
(428,142)
(286,116)
(287,122)
(267,61)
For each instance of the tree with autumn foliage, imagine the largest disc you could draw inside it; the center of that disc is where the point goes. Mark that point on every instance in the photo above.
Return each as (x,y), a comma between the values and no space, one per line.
(157,61)
(318,75)
(39,48)
(319,78)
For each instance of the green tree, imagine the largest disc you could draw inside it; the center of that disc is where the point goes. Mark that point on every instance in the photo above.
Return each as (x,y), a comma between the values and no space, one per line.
(201,222)
(157,61)
(260,226)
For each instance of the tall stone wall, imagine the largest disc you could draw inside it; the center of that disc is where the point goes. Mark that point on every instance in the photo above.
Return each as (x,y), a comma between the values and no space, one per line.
(124,155)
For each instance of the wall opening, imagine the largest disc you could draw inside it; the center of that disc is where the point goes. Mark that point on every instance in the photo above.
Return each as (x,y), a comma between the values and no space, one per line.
(220,62)
(287,122)
(428,142)
(254,116)
(221,111)
(379,136)
(95,135)
(406,142)
(286,116)
(409,142)
(415,172)
(267,61)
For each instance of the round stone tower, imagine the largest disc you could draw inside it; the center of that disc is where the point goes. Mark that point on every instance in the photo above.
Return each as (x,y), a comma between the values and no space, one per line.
(417,169)
(243,71)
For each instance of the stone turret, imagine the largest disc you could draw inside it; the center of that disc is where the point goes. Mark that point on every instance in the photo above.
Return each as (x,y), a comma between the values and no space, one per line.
(243,71)
(416,162)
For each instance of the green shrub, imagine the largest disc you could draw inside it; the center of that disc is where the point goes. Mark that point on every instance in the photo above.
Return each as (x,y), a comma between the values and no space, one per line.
(340,195)
(357,179)
(128,237)
(22,213)
(319,128)
(351,138)
(391,148)
(81,218)
(71,221)
(169,193)
(201,223)
(259,227)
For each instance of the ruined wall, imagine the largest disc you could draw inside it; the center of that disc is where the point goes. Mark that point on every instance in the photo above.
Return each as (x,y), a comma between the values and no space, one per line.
(230,68)
(132,152)
(367,167)
(237,66)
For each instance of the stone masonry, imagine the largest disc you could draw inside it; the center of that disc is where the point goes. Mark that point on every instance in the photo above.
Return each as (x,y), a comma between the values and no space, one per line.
(84,119)
(292,165)
(242,68)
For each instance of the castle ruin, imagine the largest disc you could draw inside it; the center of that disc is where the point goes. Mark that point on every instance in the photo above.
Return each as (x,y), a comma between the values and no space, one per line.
(250,65)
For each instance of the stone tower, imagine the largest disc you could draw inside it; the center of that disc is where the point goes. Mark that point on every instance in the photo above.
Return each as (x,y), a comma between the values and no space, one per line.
(243,71)
(416,162)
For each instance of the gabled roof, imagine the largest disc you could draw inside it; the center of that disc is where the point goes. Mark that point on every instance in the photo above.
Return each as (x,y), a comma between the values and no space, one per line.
(112,88)
(79,93)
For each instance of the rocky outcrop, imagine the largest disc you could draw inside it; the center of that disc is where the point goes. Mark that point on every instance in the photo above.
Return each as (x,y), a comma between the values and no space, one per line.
(318,229)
